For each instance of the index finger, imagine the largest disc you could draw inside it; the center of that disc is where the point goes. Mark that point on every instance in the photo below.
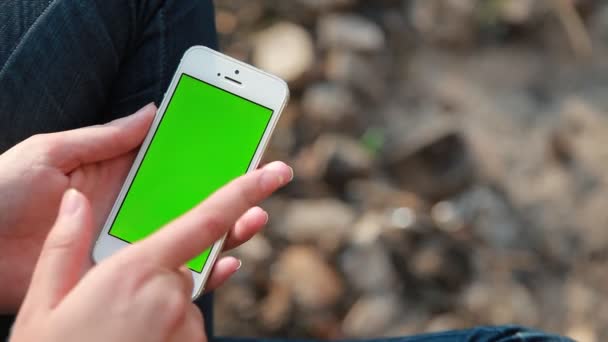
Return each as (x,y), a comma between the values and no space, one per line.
(192,233)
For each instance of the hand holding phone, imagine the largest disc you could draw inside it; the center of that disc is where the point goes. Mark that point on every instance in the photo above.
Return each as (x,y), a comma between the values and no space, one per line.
(212,127)
(141,293)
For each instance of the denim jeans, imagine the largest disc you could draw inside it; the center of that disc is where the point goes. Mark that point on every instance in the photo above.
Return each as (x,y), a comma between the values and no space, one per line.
(479,334)
(71,63)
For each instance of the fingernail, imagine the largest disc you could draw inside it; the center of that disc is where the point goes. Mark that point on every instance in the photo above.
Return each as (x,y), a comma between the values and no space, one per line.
(70,203)
(145,108)
(275,175)
(134,115)
(266,218)
(240,264)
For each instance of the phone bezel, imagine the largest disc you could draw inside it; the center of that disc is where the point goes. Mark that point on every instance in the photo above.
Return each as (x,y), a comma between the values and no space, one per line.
(212,67)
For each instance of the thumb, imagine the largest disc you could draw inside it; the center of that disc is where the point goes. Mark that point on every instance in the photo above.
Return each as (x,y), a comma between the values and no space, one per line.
(71,149)
(65,254)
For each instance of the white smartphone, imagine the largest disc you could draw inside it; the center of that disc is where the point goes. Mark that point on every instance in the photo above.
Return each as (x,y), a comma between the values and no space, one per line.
(212,127)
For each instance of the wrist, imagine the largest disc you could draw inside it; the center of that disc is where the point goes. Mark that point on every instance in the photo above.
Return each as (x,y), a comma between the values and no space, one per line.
(13,279)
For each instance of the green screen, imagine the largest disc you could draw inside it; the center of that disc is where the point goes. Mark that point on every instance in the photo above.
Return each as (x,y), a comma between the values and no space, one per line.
(206,138)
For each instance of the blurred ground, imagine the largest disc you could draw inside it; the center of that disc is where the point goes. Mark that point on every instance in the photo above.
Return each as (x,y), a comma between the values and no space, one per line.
(451,162)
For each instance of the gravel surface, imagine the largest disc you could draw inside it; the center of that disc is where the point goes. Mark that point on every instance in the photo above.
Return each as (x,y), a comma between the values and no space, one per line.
(451,163)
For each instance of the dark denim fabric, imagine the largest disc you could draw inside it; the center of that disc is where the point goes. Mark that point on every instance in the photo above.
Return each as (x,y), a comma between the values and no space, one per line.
(70,63)
(480,334)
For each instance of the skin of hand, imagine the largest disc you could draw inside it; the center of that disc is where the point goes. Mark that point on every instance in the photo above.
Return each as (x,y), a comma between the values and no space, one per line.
(141,293)
(93,160)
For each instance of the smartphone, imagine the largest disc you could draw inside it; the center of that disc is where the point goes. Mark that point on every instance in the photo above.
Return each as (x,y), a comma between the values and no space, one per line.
(211,127)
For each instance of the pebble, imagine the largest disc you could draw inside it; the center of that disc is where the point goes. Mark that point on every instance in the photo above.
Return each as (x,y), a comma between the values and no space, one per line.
(379,194)
(367,229)
(447,217)
(446,322)
(502,302)
(325,222)
(517,12)
(600,22)
(365,75)
(402,218)
(257,250)
(447,22)
(284,49)
(325,5)
(335,159)
(368,268)
(438,169)
(329,104)
(582,332)
(350,32)
(276,307)
(487,211)
(312,282)
(371,315)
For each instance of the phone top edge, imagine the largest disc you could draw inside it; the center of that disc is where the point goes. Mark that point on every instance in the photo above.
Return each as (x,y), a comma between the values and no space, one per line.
(241,63)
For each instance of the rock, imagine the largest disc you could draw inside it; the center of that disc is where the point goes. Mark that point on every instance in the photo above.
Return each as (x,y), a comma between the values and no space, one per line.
(577,145)
(345,159)
(325,5)
(477,297)
(379,275)
(580,302)
(580,134)
(517,12)
(239,300)
(329,104)
(235,308)
(350,32)
(488,213)
(582,332)
(446,322)
(592,223)
(368,229)
(276,307)
(388,223)
(447,217)
(257,250)
(378,194)
(312,282)
(402,218)
(226,22)
(437,169)
(247,13)
(323,326)
(429,262)
(501,300)
(307,12)
(363,73)
(450,22)
(335,159)
(325,222)
(599,22)
(284,49)
(370,316)
(433,264)
(411,323)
